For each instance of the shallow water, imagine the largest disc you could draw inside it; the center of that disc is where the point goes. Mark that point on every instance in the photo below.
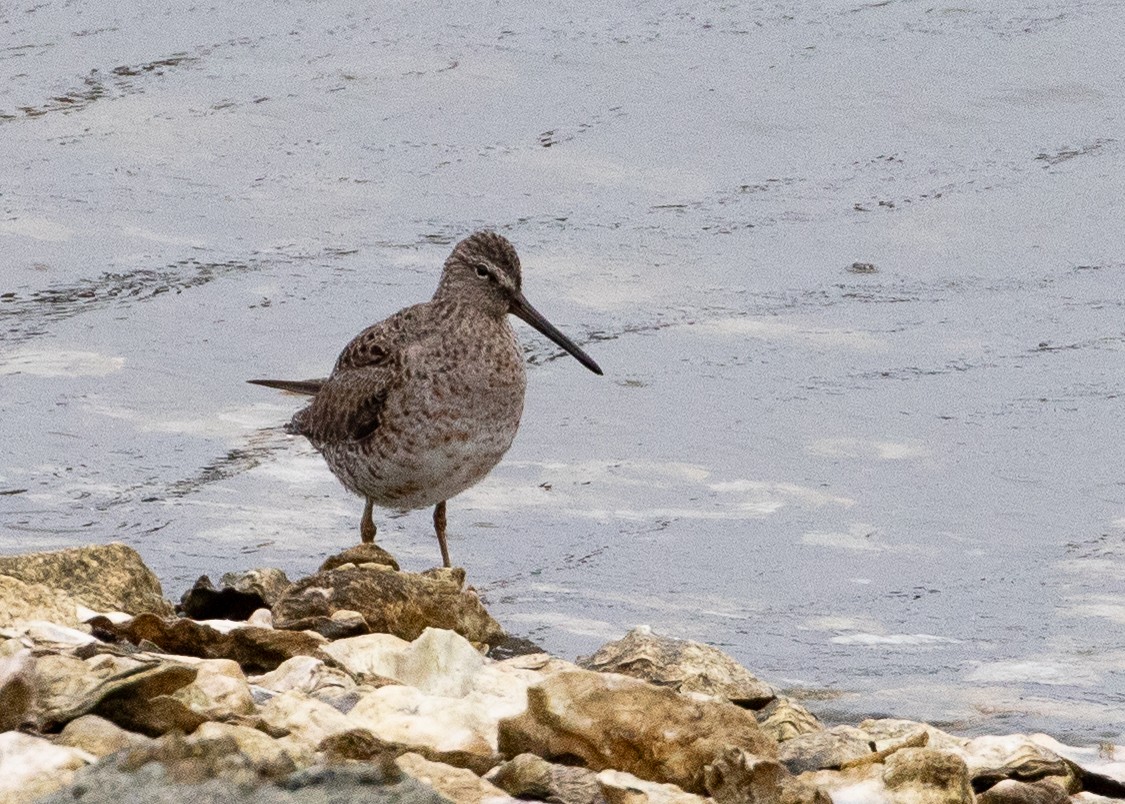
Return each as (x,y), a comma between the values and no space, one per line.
(900,490)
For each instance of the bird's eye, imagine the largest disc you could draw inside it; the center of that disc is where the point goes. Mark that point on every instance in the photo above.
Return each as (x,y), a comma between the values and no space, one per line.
(482,272)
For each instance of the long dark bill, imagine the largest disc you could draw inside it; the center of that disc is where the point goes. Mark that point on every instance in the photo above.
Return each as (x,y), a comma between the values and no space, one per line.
(521,308)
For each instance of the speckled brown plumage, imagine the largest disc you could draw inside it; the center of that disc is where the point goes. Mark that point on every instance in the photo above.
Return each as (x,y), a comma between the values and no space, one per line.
(421,406)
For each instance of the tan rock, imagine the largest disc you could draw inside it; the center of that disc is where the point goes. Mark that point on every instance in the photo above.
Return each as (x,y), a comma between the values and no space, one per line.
(104,577)
(827,748)
(611,721)
(736,777)
(260,748)
(17,686)
(928,776)
(530,777)
(1011,791)
(399,603)
(99,736)
(456,784)
(783,719)
(682,665)
(22,602)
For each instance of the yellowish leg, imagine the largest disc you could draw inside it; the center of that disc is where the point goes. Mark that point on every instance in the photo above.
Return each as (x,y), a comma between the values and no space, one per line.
(439,529)
(367,524)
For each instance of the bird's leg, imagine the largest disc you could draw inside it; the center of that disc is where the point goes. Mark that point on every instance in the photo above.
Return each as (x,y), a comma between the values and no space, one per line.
(439,529)
(367,524)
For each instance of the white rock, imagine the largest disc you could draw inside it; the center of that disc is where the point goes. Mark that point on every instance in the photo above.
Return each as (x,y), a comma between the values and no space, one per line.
(305,674)
(408,715)
(261,618)
(618,786)
(43,632)
(219,691)
(308,720)
(372,654)
(31,766)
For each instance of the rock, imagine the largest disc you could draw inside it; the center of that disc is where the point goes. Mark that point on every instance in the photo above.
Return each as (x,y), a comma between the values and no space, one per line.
(132,694)
(513,647)
(1100,768)
(22,602)
(735,777)
(104,577)
(456,784)
(928,776)
(305,674)
(307,720)
(219,691)
(17,686)
(204,602)
(262,618)
(890,731)
(410,716)
(530,777)
(341,625)
(267,755)
(99,736)
(682,665)
(619,787)
(783,719)
(399,603)
(255,649)
(828,748)
(361,744)
(990,760)
(268,583)
(31,766)
(368,553)
(612,721)
(1010,791)
(439,663)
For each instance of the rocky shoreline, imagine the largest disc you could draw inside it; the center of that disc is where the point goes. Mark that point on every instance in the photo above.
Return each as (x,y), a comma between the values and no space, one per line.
(362,682)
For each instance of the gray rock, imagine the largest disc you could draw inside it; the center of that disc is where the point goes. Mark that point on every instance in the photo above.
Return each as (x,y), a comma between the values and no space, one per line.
(117,781)
(682,665)
(103,577)
(391,602)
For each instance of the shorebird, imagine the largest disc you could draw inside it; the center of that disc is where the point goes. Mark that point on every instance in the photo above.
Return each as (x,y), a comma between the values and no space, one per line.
(422,405)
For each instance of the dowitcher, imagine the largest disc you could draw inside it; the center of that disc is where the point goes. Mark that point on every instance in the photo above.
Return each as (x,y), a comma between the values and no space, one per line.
(422,405)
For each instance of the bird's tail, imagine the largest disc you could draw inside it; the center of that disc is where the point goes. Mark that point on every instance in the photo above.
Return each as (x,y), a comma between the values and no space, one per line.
(305,387)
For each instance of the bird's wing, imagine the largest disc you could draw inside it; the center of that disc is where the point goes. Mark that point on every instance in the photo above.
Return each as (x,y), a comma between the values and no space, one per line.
(379,344)
(349,404)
